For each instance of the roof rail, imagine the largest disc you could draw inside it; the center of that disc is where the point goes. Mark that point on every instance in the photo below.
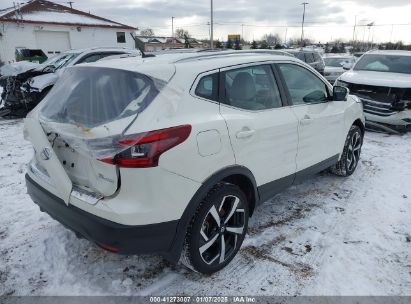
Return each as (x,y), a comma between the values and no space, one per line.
(212,54)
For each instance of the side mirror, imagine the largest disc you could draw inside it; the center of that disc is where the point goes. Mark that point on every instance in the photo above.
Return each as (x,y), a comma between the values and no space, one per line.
(340,93)
(347,66)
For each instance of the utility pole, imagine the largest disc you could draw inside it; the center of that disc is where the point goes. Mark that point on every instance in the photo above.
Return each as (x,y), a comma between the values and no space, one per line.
(172,28)
(353,33)
(212,27)
(285,38)
(302,24)
(242,31)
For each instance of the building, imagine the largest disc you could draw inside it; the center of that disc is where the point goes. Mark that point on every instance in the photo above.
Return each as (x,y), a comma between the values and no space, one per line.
(54,28)
(151,44)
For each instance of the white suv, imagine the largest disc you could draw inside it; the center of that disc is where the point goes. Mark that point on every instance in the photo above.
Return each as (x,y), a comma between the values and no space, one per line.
(172,154)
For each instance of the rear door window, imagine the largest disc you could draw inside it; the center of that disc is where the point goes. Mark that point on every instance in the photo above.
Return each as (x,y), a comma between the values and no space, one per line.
(252,88)
(309,57)
(300,56)
(317,57)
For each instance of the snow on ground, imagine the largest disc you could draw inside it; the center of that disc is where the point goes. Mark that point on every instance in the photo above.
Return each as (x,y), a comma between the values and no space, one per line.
(327,236)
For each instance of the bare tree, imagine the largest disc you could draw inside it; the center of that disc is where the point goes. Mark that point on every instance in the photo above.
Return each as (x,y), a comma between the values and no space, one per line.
(181,33)
(148,32)
(272,39)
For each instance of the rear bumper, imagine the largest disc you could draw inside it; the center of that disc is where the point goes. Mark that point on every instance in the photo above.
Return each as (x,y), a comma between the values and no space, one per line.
(124,239)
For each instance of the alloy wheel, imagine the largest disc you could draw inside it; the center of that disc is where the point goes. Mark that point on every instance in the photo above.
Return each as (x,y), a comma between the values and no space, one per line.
(222,226)
(354,151)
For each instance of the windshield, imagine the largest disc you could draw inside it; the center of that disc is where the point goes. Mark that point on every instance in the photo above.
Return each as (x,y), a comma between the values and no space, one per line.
(384,63)
(92,96)
(61,60)
(337,62)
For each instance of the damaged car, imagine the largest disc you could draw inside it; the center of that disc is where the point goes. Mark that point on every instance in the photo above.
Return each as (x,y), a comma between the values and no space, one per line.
(336,65)
(172,154)
(25,84)
(382,80)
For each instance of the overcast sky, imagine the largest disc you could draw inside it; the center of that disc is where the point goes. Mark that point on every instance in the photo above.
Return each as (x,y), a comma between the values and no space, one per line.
(326,19)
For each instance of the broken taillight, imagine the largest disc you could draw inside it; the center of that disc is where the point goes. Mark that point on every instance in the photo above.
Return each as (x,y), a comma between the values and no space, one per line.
(143,150)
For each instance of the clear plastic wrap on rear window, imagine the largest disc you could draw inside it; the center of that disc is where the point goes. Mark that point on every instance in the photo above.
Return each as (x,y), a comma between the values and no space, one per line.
(92,96)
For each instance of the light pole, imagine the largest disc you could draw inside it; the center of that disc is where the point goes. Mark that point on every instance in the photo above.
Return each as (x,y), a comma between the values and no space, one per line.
(285,38)
(242,32)
(172,28)
(353,33)
(302,24)
(212,27)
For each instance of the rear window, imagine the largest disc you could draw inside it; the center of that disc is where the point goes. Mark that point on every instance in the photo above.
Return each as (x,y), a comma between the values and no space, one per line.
(92,96)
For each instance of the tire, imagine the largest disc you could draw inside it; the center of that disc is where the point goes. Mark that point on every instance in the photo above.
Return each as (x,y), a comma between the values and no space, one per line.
(351,153)
(217,230)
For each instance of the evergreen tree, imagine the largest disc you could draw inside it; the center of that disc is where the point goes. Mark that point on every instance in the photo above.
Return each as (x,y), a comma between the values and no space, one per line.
(264,45)
(254,45)
(229,44)
(218,44)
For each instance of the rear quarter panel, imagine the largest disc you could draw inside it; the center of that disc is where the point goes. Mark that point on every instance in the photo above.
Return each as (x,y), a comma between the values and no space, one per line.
(176,106)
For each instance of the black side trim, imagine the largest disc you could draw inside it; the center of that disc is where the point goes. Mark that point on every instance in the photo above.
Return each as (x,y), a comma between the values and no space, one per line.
(195,201)
(310,171)
(270,189)
(154,238)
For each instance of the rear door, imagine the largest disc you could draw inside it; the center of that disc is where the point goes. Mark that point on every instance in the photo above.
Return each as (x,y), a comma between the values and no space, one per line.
(263,132)
(321,121)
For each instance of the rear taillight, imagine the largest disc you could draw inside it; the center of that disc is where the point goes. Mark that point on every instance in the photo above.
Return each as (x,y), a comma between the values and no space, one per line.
(144,149)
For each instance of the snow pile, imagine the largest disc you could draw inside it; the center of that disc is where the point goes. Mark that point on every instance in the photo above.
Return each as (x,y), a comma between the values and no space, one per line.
(15,68)
(327,236)
(66,17)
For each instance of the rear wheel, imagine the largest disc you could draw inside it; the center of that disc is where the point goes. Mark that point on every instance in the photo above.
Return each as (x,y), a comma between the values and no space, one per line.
(351,153)
(217,230)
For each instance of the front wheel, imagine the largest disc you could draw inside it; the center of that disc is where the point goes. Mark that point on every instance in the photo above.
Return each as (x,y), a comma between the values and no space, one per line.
(217,230)
(351,153)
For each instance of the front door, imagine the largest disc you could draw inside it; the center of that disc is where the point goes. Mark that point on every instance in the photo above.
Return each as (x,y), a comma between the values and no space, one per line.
(321,121)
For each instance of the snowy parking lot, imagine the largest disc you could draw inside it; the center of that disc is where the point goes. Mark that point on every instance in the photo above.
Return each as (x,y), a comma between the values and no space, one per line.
(327,236)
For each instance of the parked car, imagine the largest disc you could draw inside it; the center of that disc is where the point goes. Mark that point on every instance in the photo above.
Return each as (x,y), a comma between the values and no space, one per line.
(382,80)
(172,154)
(336,65)
(23,91)
(311,57)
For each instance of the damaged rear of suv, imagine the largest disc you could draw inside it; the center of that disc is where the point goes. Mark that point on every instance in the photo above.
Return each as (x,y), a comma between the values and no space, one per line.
(382,80)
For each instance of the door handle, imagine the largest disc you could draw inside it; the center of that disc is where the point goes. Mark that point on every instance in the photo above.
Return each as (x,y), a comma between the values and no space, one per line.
(245,133)
(306,120)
